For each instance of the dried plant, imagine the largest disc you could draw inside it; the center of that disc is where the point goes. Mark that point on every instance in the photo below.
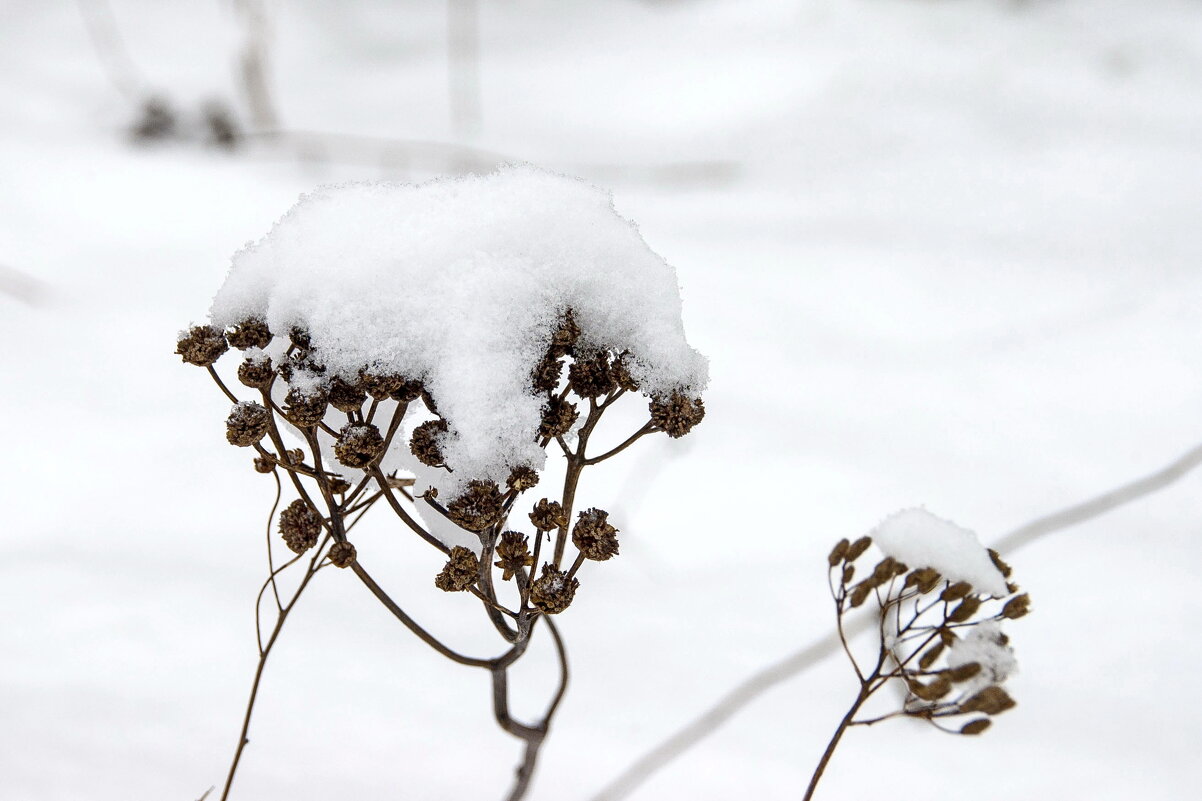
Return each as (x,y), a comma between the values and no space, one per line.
(939,641)
(349,423)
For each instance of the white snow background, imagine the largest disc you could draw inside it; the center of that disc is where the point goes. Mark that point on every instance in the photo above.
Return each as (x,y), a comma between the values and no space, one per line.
(938,253)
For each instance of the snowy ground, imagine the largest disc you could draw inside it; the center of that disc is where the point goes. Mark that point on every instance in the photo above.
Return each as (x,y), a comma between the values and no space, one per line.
(941,253)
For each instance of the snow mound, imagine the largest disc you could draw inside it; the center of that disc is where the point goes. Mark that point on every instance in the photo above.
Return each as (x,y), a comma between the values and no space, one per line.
(920,539)
(460,283)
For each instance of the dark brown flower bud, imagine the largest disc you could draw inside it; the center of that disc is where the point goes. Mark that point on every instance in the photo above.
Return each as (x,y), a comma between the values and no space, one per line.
(925,579)
(477,507)
(460,571)
(592,377)
(884,570)
(342,554)
(514,554)
(1017,607)
(558,417)
(676,415)
(622,375)
(947,636)
(294,456)
(380,385)
(963,672)
(250,333)
(553,591)
(300,526)
(849,571)
(929,656)
(938,688)
(975,726)
(407,392)
(545,375)
(1002,567)
(522,478)
(859,593)
(424,442)
(300,338)
(256,373)
(247,424)
(264,464)
(966,609)
(594,537)
(548,516)
(857,548)
(358,445)
(305,409)
(955,592)
(339,485)
(992,700)
(201,345)
(838,552)
(346,397)
(567,333)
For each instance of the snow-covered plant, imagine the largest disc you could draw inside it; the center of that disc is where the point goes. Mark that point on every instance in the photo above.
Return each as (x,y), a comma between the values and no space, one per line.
(427,346)
(940,598)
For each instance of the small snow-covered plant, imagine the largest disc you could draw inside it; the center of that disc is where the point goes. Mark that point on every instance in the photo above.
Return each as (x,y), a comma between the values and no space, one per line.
(427,346)
(940,599)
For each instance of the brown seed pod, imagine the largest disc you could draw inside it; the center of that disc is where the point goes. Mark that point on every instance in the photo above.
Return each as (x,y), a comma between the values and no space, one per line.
(594,537)
(264,465)
(966,609)
(513,552)
(558,417)
(424,442)
(955,592)
(346,397)
(545,375)
(838,552)
(300,526)
(460,571)
(926,579)
(305,409)
(1017,607)
(1002,567)
(933,691)
(963,672)
(676,415)
(553,591)
(592,377)
(857,548)
(358,445)
(993,700)
(849,571)
(622,375)
(522,478)
(407,392)
(929,656)
(566,334)
(247,424)
(976,726)
(380,385)
(859,593)
(477,507)
(300,338)
(342,554)
(548,516)
(250,333)
(339,485)
(256,373)
(201,345)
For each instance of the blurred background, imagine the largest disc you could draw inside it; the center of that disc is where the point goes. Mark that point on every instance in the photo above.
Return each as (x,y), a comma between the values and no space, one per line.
(940,252)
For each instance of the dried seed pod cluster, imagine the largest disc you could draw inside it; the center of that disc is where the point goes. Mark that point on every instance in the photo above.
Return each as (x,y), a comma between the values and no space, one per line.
(939,637)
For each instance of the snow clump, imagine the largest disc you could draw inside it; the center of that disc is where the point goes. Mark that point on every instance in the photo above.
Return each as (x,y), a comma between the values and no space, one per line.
(460,283)
(920,539)
(985,645)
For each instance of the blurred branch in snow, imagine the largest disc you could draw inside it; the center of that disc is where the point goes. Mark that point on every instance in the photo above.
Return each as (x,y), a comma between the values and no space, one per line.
(24,288)
(252,65)
(779,672)
(110,48)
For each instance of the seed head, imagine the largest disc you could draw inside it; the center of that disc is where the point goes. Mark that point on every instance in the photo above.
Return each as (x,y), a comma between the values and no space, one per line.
(305,409)
(955,592)
(1017,607)
(938,688)
(930,655)
(993,700)
(592,377)
(975,726)
(594,537)
(407,392)
(256,373)
(424,442)
(300,526)
(339,485)
(358,445)
(622,375)
(264,465)
(342,554)
(477,507)
(677,414)
(460,571)
(545,375)
(250,333)
(925,579)
(567,333)
(247,424)
(346,397)
(522,478)
(553,591)
(857,548)
(966,609)
(558,417)
(963,672)
(514,554)
(380,385)
(838,552)
(1002,567)
(201,345)
(548,515)
(300,338)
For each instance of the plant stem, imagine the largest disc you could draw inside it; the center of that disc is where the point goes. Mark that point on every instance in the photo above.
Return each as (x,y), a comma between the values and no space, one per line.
(835,738)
